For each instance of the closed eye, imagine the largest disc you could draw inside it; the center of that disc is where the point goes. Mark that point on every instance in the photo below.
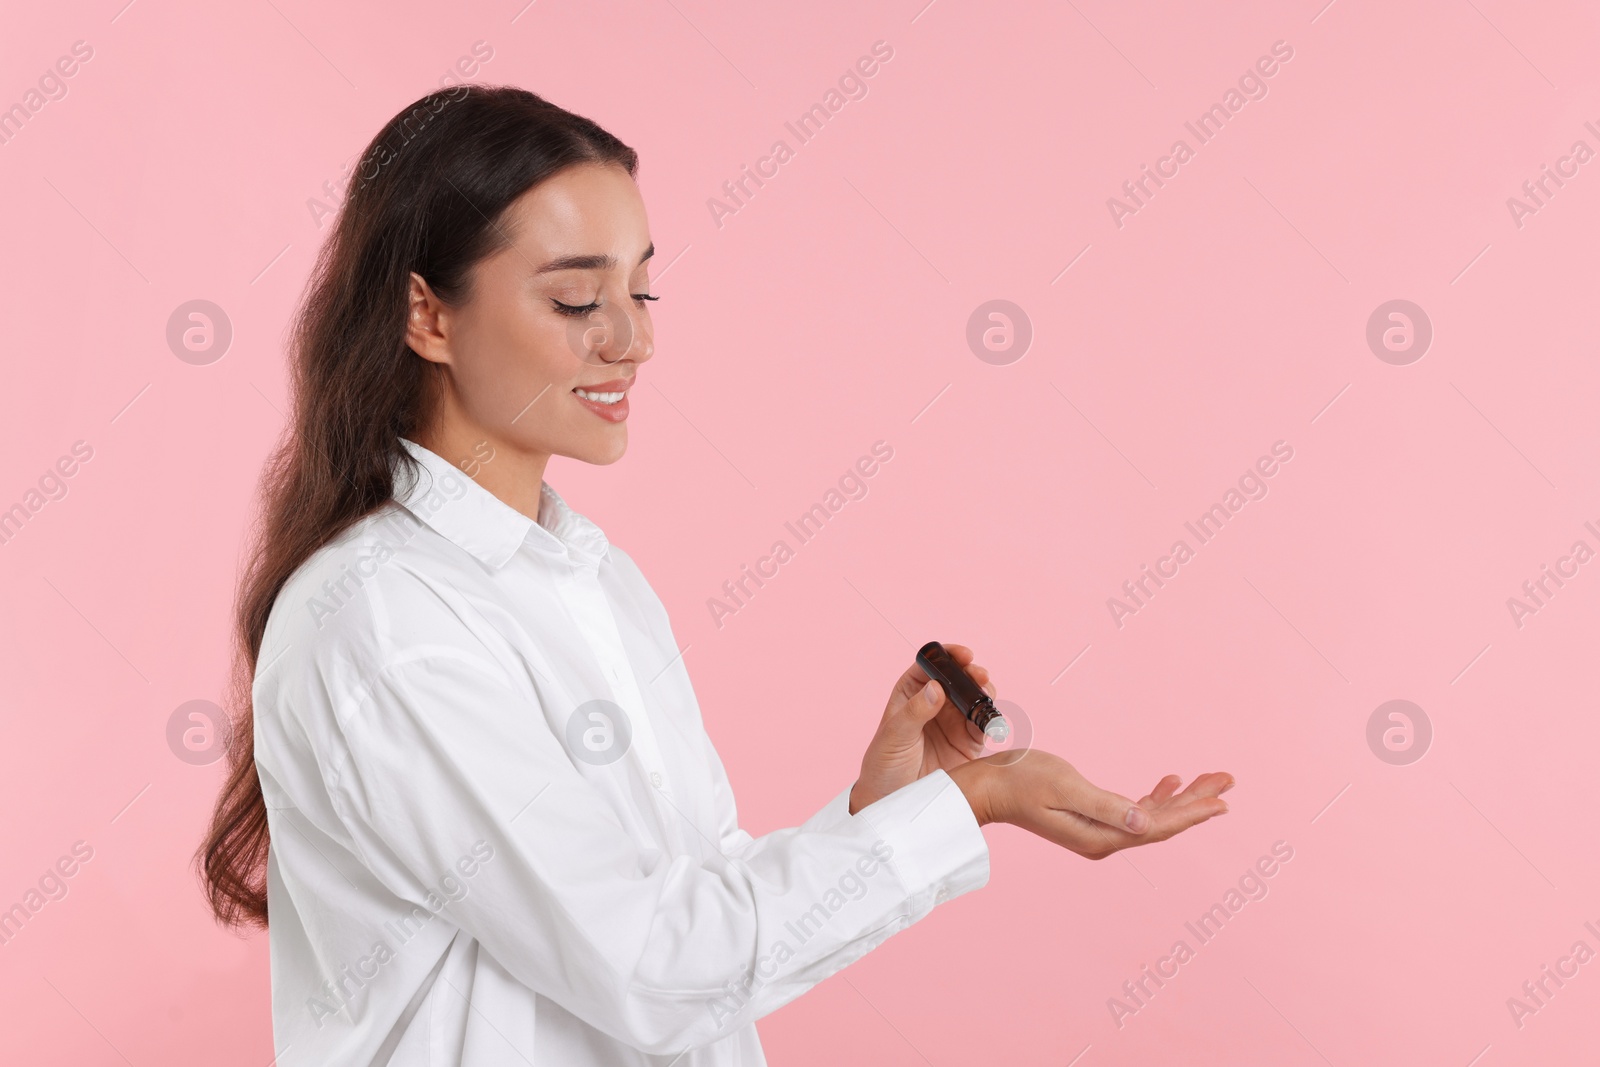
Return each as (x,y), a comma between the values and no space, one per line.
(580,310)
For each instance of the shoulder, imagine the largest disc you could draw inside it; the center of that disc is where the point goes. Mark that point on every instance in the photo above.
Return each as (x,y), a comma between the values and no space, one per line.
(377,594)
(628,583)
(623,564)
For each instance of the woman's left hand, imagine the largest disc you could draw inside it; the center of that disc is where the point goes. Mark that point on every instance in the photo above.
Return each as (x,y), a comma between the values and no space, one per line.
(921,731)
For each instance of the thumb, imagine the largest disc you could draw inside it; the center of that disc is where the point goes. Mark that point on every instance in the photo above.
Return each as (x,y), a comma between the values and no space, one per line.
(1113,809)
(923,705)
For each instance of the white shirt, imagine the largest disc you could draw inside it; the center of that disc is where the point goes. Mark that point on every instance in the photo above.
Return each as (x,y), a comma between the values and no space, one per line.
(500,833)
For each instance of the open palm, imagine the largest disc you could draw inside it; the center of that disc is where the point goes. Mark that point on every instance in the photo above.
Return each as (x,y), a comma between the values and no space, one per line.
(1046,795)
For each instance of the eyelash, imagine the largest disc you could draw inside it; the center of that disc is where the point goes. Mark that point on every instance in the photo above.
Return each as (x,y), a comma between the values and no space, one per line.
(577,310)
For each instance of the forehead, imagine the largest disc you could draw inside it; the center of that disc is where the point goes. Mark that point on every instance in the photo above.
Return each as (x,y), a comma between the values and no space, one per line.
(584,209)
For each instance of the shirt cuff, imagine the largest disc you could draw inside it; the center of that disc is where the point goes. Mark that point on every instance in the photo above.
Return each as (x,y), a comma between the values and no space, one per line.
(936,845)
(833,815)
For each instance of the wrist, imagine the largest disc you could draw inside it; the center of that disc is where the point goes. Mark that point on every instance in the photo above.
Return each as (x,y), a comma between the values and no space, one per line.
(973,780)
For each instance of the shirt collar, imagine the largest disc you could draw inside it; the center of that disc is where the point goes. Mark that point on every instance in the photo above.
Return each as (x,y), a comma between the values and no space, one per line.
(473,518)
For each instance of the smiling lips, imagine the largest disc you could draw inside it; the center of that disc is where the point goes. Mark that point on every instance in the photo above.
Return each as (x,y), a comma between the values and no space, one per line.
(609,400)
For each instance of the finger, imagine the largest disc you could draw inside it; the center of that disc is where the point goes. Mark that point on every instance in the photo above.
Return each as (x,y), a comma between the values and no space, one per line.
(911,704)
(909,683)
(960,653)
(1211,784)
(1170,821)
(1165,788)
(1072,830)
(963,658)
(958,730)
(981,676)
(1113,809)
(923,705)
(1091,838)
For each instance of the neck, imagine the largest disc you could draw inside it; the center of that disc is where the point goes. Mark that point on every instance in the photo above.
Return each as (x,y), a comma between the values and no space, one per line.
(511,472)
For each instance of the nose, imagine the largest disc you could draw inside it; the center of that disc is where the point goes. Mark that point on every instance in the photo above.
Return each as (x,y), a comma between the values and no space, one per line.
(615,332)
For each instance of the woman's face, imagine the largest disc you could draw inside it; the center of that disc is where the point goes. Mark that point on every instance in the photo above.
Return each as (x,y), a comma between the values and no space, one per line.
(541,356)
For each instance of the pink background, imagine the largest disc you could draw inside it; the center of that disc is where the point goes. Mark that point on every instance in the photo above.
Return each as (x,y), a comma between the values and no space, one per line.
(826,315)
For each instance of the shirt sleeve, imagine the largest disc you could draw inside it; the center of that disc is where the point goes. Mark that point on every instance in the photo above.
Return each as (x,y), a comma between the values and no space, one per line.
(662,952)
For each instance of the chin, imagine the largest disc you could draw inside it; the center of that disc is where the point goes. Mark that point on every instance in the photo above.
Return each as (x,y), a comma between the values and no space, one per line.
(602,453)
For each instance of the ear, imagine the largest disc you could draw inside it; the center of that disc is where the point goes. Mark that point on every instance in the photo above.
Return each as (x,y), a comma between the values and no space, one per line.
(427,322)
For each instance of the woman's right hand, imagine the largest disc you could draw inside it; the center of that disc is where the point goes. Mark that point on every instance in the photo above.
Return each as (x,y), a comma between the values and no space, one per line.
(1045,795)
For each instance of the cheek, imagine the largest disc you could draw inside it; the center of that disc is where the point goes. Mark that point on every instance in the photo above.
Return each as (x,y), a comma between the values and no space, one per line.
(509,355)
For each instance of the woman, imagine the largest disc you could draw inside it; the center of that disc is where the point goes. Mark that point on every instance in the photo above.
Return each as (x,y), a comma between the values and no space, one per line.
(470,783)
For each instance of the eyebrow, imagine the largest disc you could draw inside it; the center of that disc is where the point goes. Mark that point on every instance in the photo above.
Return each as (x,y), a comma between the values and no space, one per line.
(590,262)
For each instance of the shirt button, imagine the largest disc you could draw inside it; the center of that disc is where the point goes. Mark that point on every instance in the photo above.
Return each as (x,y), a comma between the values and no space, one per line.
(942,896)
(655,778)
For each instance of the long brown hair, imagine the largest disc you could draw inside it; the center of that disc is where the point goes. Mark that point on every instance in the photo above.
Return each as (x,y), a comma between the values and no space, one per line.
(428,196)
